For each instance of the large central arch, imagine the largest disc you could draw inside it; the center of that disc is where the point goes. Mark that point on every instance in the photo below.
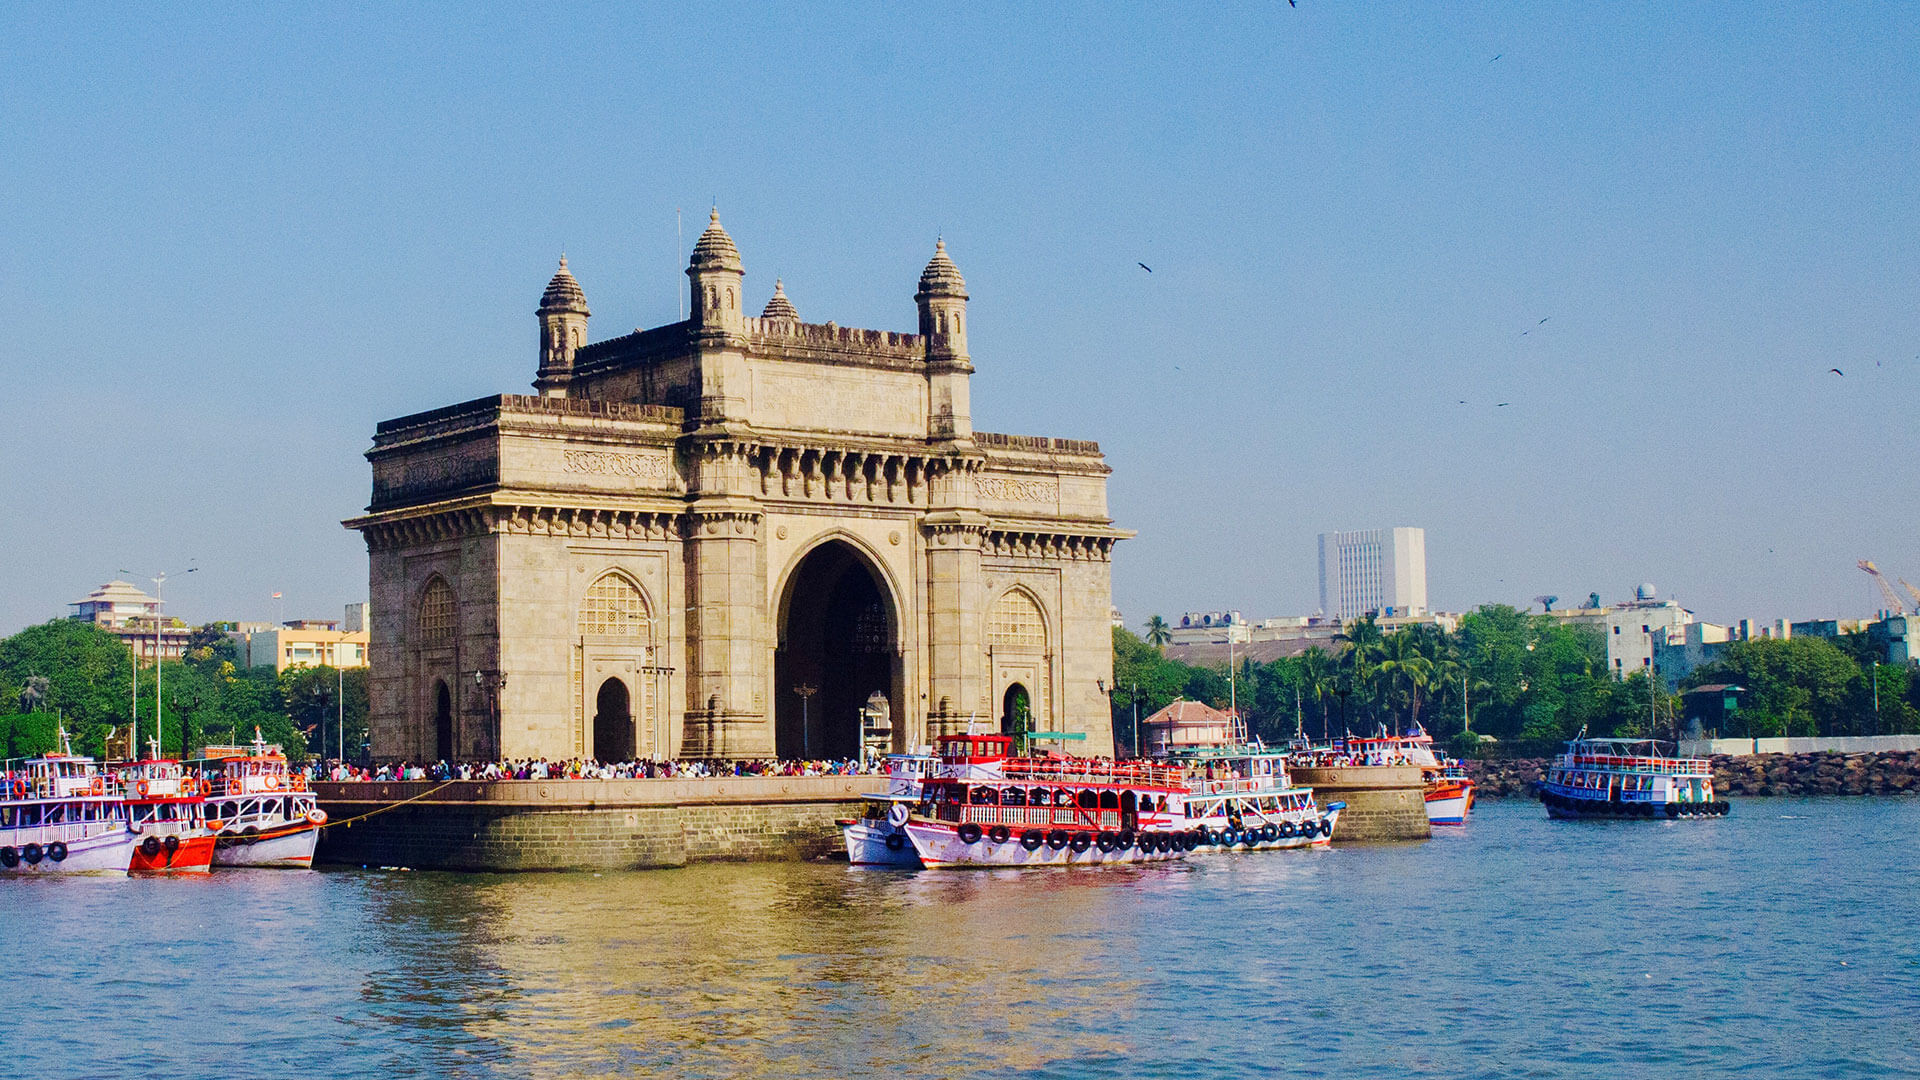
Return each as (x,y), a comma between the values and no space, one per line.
(839,625)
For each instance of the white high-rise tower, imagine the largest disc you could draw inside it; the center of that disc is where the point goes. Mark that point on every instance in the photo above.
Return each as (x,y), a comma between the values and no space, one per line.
(1382,571)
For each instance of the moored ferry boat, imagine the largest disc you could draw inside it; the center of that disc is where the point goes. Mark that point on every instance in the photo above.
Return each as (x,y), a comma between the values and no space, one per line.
(878,837)
(1242,798)
(165,808)
(261,812)
(987,808)
(58,815)
(1628,778)
(1449,790)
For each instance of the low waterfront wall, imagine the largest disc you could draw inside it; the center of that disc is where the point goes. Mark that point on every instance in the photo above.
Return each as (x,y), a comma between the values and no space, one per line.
(1860,744)
(1888,773)
(1383,802)
(585,824)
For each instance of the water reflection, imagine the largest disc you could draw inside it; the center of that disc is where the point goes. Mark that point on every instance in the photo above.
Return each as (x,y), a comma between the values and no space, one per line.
(1778,942)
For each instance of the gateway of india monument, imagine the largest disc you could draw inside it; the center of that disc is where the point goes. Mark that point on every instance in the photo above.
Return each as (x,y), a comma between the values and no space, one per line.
(734,537)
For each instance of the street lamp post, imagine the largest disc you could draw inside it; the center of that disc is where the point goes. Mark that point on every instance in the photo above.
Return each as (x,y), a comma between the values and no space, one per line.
(806,692)
(159,602)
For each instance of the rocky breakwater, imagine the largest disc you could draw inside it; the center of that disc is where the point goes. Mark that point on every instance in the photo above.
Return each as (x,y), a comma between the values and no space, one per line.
(1893,773)
(1888,773)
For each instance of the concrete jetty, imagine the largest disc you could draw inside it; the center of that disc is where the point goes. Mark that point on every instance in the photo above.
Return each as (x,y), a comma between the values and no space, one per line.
(1384,802)
(585,824)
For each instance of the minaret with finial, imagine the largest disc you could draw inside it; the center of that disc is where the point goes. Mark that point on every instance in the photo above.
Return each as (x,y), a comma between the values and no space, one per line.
(563,330)
(943,323)
(715,274)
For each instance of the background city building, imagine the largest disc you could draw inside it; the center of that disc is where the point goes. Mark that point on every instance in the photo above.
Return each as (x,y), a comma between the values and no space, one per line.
(301,643)
(1373,571)
(123,610)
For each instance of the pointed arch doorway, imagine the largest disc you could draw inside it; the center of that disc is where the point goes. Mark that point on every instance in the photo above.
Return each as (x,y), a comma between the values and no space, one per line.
(839,644)
(613,722)
(442,721)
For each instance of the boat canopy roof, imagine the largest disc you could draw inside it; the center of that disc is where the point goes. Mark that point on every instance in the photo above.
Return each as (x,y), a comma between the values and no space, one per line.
(1648,745)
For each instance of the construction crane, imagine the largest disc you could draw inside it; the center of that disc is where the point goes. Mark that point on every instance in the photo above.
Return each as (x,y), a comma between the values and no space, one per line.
(1913,592)
(1894,604)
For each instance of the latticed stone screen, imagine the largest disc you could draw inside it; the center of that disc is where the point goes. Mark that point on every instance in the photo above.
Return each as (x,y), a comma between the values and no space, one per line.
(614,608)
(436,613)
(1016,622)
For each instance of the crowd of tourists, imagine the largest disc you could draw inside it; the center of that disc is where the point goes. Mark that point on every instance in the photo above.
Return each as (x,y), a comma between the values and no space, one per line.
(587,769)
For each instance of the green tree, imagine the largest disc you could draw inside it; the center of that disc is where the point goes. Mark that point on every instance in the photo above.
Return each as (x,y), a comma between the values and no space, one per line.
(1802,686)
(1158,632)
(89,675)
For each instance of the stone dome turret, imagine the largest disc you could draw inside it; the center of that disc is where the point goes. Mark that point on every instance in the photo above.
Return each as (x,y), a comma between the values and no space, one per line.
(563,294)
(941,277)
(780,307)
(714,249)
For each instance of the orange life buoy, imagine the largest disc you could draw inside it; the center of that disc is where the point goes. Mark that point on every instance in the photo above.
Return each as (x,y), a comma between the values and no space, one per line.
(141,788)
(99,786)
(273,783)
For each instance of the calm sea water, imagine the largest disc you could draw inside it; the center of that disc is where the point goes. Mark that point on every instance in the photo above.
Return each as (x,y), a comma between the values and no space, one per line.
(1783,941)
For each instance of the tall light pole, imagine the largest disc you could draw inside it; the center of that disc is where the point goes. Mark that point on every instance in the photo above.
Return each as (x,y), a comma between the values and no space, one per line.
(806,692)
(342,694)
(1876,697)
(159,714)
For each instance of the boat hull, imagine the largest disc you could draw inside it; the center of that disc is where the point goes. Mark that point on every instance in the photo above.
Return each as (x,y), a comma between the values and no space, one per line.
(1448,803)
(882,844)
(194,855)
(1572,808)
(939,845)
(104,853)
(1272,836)
(289,848)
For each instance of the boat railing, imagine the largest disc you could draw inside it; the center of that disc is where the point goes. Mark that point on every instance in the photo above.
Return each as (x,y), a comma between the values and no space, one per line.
(1039,816)
(1232,785)
(1688,766)
(1089,771)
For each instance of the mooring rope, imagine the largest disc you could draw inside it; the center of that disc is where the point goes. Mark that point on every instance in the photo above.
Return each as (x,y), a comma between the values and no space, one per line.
(346,823)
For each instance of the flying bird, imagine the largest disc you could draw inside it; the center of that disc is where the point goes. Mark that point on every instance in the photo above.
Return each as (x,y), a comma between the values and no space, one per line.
(1502,405)
(1145,267)
(1496,56)
(1838,372)
(1543,322)
(1291,4)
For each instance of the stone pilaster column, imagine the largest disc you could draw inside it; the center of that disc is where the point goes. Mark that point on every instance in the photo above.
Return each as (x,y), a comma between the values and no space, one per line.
(726,631)
(956,631)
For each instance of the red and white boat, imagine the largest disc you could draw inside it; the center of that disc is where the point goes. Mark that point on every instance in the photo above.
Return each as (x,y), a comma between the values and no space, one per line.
(1242,798)
(262,813)
(878,837)
(165,808)
(1449,788)
(58,815)
(989,809)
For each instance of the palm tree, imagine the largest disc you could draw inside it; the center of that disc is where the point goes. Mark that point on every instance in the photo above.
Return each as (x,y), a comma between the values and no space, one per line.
(1158,633)
(1317,680)
(1363,640)
(1404,670)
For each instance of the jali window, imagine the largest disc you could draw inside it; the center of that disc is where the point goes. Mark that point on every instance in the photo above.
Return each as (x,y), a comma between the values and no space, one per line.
(436,613)
(1016,622)
(614,607)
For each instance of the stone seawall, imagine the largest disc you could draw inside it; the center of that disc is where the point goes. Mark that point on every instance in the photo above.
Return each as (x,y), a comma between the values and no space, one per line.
(585,824)
(1383,802)
(1893,773)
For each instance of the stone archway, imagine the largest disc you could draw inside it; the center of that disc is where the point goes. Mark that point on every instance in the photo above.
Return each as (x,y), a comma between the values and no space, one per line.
(613,722)
(840,640)
(442,721)
(1016,711)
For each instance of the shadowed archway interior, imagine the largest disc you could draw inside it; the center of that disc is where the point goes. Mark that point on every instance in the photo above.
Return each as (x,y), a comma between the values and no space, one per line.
(837,637)
(613,722)
(442,721)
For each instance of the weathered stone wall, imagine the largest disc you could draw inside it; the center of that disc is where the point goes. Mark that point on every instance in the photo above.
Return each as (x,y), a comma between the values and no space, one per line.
(1893,773)
(1383,802)
(585,824)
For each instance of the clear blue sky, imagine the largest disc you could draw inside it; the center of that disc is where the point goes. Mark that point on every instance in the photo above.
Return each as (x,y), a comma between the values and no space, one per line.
(235,239)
